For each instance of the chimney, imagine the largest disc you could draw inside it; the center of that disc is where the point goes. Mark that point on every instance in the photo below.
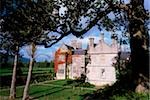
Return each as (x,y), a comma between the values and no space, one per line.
(91,42)
(74,44)
(79,45)
(114,38)
(102,37)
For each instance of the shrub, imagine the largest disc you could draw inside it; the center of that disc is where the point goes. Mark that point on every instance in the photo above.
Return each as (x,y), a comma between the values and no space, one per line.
(42,77)
(79,83)
(81,79)
(86,84)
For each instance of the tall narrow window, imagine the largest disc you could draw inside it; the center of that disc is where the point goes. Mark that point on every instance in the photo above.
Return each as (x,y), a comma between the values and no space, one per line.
(103,73)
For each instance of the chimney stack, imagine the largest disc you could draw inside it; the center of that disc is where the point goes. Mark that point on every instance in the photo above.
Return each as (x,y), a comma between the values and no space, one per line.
(79,45)
(91,42)
(102,37)
(114,38)
(74,44)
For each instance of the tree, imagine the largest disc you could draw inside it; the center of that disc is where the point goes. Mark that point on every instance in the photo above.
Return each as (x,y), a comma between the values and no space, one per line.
(9,47)
(131,18)
(31,53)
(139,41)
(29,22)
(79,17)
(11,44)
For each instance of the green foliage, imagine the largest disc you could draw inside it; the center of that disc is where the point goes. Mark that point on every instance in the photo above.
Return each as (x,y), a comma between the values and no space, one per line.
(117,92)
(123,68)
(131,96)
(78,83)
(44,64)
(86,84)
(28,21)
(41,78)
(123,88)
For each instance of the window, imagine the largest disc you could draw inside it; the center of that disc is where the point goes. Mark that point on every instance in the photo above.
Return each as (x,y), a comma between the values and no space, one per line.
(102,73)
(61,57)
(61,71)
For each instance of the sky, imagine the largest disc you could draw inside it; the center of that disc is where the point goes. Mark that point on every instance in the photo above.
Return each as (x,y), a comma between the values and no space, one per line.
(47,54)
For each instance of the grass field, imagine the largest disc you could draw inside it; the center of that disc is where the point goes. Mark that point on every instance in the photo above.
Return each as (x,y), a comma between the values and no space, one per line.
(60,89)
(8,71)
(52,90)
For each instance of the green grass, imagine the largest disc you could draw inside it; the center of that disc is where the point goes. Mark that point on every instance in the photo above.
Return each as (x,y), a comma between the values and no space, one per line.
(58,90)
(66,94)
(50,92)
(58,82)
(8,71)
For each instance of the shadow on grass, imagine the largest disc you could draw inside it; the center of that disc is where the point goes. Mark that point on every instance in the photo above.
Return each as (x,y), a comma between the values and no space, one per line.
(42,93)
(123,89)
(36,92)
(47,92)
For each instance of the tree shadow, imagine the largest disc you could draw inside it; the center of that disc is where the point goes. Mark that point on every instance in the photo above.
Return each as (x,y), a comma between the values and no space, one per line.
(35,92)
(124,85)
(44,92)
(47,92)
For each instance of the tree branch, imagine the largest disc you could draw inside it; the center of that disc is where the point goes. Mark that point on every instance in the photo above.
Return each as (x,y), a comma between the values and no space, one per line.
(121,6)
(92,23)
(57,40)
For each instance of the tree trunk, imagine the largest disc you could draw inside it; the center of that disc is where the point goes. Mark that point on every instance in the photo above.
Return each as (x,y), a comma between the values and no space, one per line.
(13,82)
(139,43)
(26,89)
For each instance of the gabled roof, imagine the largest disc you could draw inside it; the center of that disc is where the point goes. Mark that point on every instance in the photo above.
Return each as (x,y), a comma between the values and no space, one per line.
(66,47)
(103,47)
(79,52)
(69,47)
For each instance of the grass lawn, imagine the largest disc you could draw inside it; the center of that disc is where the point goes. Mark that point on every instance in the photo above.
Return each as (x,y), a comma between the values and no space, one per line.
(59,82)
(46,91)
(8,71)
(58,90)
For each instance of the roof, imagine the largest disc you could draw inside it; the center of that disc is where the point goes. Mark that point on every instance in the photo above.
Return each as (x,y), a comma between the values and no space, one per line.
(94,45)
(69,47)
(79,52)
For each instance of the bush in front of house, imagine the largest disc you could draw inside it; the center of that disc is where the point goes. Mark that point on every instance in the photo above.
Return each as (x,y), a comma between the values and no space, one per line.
(41,78)
(79,82)
(86,84)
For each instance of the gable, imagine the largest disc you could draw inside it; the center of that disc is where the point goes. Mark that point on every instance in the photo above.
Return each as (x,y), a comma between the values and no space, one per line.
(102,47)
(63,48)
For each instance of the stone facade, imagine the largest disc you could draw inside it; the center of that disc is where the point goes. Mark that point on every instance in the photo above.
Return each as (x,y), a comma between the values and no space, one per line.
(78,63)
(63,62)
(98,68)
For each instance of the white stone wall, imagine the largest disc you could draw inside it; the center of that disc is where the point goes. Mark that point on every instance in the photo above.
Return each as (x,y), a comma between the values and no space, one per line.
(100,71)
(70,71)
(98,75)
(61,71)
(78,64)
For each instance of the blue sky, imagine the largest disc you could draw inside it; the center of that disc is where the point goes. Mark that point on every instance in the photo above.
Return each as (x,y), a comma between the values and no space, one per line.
(48,53)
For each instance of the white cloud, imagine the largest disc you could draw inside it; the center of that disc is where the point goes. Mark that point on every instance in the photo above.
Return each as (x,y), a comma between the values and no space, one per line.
(40,47)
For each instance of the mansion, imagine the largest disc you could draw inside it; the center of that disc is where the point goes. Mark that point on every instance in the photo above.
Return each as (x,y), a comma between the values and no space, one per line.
(96,62)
